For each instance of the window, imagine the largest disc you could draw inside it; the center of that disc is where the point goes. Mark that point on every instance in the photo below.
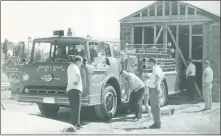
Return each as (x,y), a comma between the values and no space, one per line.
(182,9)
(167,8)
(190,11)
(116,51)
(151,10)
(107,50)
(41,52)
(197,29)
(137,15)
(144,13)
(159,9)
(93,50)
(174,8)
(76,49)
(45,51)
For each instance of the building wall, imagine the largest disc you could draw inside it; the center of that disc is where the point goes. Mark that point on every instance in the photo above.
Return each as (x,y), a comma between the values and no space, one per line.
(125,34)
(213,55)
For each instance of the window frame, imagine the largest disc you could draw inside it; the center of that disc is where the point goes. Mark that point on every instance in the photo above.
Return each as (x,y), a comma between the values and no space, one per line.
(118,51)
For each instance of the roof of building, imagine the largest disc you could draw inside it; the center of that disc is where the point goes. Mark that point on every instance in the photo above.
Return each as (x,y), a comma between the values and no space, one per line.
(215,16)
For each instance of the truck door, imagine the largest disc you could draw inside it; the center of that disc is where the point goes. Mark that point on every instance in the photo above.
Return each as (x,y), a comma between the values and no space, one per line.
(113,62)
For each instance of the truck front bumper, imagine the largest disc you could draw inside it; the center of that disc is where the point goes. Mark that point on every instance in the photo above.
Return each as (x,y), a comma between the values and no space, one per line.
(58,100)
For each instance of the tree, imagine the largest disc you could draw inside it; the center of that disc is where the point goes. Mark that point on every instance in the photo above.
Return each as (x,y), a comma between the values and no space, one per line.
(5,49)
(5,46)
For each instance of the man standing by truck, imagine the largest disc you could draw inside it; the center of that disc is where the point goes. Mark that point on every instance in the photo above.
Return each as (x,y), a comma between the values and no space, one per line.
(136,87)
(190,76)
(75,89)
(207,85)
(154,90)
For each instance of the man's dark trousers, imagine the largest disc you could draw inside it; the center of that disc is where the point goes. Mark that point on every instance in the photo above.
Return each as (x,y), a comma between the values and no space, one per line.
(74,97)
(135,102)
(190,87)
(155,105)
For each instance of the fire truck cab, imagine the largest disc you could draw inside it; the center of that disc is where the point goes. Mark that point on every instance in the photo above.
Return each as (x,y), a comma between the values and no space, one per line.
(43,79)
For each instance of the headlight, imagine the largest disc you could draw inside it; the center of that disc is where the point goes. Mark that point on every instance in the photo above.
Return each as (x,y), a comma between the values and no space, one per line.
(26,90)
(14,78)
(25,77)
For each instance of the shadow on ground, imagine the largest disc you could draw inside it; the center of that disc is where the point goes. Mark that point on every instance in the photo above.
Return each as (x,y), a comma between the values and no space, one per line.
(133,128)
(88,114)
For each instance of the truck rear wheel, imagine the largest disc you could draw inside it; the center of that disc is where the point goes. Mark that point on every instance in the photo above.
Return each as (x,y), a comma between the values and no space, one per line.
(48,110)
(107,109)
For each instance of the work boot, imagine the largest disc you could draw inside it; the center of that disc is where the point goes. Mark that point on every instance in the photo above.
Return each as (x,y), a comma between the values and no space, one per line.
(154,126)
(137,117)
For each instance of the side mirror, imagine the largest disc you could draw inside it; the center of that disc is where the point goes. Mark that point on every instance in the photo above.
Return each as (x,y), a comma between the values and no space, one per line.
(107,61)
(24,60)
(84,61)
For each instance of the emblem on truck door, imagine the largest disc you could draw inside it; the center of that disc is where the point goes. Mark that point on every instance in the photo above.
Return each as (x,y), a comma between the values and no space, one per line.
(47,78)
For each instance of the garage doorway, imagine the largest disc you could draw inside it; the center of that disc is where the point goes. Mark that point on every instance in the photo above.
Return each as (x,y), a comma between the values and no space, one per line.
(197,52)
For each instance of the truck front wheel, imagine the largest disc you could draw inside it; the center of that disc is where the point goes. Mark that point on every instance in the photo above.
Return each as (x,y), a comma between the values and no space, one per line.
(48,110)
(107,109)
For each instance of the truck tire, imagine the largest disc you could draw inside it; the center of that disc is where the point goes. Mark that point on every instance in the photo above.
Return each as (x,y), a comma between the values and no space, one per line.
(107,109)
(163,94)
(48,110)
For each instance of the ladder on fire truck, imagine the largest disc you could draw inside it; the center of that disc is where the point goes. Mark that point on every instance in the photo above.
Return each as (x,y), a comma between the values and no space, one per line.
(158,51)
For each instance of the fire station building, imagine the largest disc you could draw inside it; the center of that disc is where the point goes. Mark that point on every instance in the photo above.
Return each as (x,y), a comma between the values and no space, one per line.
(194,30)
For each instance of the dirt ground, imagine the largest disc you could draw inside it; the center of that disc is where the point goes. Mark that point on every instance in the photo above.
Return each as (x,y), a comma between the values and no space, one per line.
(187,119)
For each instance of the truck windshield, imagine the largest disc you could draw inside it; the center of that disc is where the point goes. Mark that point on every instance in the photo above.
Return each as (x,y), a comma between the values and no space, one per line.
(47,51)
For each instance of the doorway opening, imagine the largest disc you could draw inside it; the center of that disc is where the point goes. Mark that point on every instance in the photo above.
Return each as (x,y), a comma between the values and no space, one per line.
(148,35)
(137,35)
(197,50)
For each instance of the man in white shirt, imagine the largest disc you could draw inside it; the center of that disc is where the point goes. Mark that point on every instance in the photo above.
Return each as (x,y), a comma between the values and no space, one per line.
(207,85)
(75,89)
(191,79)
(154,90)
(135,86)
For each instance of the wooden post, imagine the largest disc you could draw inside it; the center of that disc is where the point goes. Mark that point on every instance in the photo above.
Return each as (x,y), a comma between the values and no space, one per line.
(184,61)
(204,45)
(140,15)
(186,12)
(148,12)
(163,10)
(170,8)
(142,35)
(165,34)
(195,13)
(190,41)
(178,10)
(177,55)
(155,31)
(155,9)
(132,35)
(204,40)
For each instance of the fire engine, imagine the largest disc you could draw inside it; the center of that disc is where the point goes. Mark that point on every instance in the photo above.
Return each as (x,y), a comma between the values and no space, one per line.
(43,79)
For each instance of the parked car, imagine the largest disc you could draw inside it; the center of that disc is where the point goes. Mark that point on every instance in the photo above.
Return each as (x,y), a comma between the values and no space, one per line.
(21,123)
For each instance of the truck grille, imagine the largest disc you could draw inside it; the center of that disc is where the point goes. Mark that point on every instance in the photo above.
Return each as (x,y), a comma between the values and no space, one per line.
(46,91)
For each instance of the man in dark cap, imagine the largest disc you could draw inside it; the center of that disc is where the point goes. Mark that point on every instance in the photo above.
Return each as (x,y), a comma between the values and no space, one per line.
(190,76)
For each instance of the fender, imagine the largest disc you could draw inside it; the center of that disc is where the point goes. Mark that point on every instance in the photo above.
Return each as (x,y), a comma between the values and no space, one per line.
(105,82)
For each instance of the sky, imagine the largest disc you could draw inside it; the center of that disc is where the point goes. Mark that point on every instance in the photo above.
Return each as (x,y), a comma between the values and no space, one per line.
(100,19)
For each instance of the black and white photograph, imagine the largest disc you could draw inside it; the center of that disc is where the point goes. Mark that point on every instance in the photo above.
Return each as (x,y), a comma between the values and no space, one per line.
(110,67)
